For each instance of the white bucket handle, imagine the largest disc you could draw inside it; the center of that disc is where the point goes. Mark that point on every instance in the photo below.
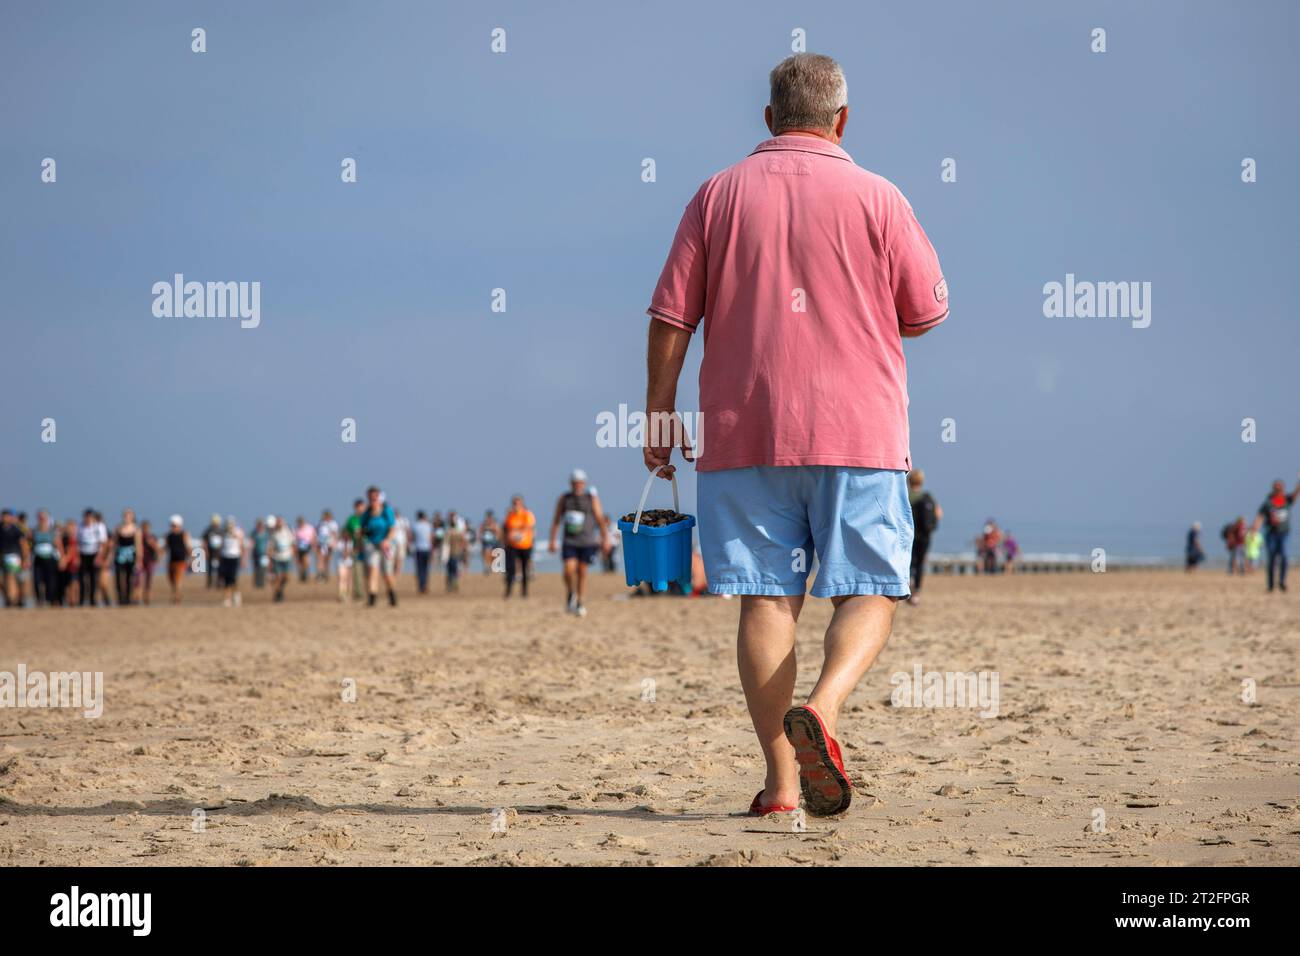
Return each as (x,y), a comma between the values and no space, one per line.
(646,494)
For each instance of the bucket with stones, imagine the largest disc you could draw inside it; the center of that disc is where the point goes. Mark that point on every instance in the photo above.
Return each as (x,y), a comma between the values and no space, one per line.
(657,555)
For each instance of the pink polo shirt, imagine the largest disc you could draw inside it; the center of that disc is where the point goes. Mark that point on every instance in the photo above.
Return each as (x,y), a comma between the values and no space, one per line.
(803,266)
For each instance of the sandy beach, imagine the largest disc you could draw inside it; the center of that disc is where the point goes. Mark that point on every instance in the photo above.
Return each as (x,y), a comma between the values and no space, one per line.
(487,732)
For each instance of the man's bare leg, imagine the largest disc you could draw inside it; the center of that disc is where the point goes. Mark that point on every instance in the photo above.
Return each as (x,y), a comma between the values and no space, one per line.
(570,572)
(856,635)
(765,654)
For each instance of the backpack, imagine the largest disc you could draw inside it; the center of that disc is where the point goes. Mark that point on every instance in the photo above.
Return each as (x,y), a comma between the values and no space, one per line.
(923,514)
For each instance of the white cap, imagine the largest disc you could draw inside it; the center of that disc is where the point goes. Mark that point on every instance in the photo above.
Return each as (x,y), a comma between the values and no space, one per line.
(270,521)
(178,521)
(578,475)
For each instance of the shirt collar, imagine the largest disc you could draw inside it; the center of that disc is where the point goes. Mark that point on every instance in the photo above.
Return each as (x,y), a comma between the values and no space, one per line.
(802,144)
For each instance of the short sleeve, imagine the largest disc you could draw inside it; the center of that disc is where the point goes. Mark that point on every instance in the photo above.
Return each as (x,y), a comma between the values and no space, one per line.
(919,289)
(679,297)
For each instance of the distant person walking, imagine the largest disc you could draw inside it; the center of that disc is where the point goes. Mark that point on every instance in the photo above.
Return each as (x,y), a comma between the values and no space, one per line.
(989,540)
(259,543)
(1010,551)
(422,544)
(1254,547)
(489,537)
(926,515)
(352,530)
(89,550)
(520,525)
(212,549)
(1193,552)
(69,565)
(283,546)
(578,512)
(47,552)
(148,561)
(24,571)
(439,538)
(457,550)
(13,557)
(179,550)
(105,560)
(615,539)
(378,525)
(304,536)
(347,565)
(232,555)
(1234,539)
(327,538)
(1274,517)
(126,556)
(401,543)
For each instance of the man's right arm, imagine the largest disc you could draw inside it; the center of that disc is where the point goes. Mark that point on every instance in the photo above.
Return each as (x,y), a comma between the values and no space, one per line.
(665,355)
(676,310)
(555,523)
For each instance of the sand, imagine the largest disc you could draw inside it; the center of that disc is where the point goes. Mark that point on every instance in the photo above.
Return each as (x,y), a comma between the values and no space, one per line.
(1118,691)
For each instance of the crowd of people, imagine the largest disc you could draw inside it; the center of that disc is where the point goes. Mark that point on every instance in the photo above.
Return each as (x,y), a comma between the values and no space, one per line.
(996,550)
(1263,540)
(88,564)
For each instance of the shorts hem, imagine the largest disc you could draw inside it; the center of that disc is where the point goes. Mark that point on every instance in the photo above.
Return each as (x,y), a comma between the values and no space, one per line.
(754,588)
(878,589)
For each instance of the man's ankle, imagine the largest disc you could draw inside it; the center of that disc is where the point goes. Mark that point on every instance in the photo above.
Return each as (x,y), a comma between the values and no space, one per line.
(828,712)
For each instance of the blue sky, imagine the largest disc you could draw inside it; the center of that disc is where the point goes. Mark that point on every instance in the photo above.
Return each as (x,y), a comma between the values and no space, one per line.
(522,171)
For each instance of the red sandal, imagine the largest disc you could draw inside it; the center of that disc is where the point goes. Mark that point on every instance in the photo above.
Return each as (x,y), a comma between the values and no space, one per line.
(822,778)
(756,809)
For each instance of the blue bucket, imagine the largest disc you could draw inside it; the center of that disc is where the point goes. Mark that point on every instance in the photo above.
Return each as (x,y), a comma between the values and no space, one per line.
(657,556)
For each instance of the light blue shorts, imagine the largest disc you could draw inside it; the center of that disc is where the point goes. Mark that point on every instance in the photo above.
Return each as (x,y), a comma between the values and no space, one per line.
(761,526)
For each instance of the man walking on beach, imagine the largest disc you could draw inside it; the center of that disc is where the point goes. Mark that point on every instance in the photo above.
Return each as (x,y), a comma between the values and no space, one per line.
(378,526)
(807,272)
(578,512)
(926,515)
(1275,517)
(13,557)
(352,529)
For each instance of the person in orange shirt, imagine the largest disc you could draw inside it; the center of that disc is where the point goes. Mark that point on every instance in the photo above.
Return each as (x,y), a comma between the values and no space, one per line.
(520,525)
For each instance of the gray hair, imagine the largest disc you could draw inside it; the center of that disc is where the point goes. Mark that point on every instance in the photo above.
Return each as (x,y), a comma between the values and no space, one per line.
(807,91)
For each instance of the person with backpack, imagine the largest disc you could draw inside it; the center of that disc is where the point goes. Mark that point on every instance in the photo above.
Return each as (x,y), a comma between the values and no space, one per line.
(1275,517)
(926,515)
(1234,539)
(378,527)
